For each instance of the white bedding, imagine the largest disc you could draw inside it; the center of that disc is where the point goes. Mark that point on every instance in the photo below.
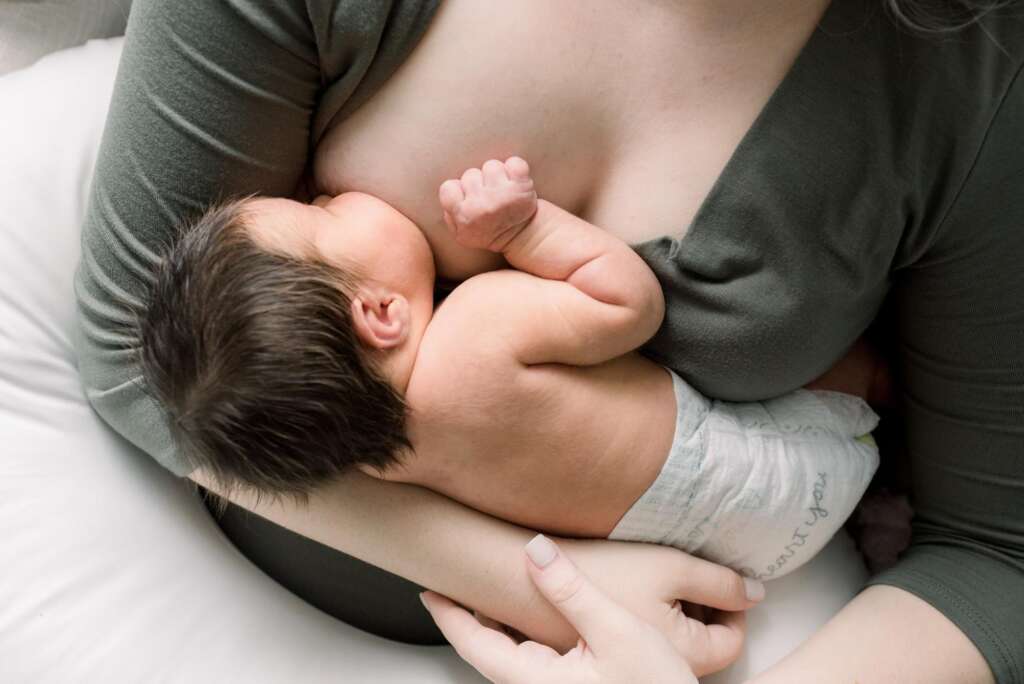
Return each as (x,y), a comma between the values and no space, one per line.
(110,570)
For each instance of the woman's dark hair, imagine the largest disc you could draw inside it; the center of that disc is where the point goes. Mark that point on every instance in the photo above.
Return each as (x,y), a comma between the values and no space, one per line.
(254,358)
(941,16)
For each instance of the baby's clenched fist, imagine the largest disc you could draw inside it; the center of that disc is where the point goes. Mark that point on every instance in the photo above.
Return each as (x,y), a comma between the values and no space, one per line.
(489,206)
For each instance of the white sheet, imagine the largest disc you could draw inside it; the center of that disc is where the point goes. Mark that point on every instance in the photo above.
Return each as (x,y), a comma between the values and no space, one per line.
(110,570)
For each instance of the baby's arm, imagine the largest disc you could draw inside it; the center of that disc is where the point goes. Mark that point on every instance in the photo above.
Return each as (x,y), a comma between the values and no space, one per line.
(598,299)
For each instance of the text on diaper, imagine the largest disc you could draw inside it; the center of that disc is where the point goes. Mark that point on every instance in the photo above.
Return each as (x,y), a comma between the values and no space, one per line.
(816,511)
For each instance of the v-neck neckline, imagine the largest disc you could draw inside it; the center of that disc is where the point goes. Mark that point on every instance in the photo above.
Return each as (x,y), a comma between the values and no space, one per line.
(839,18)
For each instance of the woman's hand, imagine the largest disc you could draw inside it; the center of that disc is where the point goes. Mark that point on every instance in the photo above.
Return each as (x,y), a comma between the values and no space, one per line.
(615,645)
(696,604)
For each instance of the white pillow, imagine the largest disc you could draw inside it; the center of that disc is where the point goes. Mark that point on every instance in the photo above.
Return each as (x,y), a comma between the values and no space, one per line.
(30,29)
(110,569)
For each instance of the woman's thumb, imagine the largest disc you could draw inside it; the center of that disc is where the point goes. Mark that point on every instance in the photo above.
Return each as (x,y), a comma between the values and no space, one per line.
(598,619)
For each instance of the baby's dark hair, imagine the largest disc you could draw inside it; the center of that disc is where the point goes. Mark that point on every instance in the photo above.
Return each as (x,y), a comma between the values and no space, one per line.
(254,357)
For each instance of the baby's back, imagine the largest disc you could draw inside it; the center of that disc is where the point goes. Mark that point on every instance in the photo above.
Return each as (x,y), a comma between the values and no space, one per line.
(624,449)
(566,449)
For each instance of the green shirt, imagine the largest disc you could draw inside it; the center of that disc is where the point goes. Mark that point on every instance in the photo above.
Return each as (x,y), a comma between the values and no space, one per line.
(886,168)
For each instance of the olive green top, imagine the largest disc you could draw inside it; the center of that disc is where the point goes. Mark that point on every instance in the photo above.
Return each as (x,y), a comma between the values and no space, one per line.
(885,167)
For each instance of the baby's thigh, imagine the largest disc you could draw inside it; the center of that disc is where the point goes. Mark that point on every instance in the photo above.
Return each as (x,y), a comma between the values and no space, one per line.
(796,606)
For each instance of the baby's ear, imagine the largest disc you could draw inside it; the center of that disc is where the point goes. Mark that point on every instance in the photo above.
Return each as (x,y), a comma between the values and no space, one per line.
(381,319)
(366,469)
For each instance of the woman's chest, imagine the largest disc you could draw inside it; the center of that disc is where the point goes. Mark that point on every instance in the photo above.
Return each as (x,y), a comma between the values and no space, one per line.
(628,128)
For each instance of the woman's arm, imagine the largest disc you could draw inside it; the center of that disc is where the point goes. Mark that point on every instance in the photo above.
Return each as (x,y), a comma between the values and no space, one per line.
(477,560)
(212,100)
(952,609)
(884,635)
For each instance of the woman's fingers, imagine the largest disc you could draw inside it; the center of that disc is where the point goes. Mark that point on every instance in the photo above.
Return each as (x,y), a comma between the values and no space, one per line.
(616,646)
(709,584)
(601,622)
(518,637)
(727,633)
(488,622)
(712,646)
(491,652)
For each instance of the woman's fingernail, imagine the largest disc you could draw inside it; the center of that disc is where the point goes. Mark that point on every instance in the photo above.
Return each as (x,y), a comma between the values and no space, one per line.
(755,589)
(423,600)
(541,551)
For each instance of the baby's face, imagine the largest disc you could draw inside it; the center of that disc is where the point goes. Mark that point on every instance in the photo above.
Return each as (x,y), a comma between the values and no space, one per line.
(357,232)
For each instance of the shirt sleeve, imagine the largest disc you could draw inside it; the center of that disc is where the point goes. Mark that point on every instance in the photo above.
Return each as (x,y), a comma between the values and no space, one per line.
(961,317)
(212,100)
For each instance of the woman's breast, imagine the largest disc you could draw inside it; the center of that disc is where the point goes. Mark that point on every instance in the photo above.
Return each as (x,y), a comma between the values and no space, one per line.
(608,133)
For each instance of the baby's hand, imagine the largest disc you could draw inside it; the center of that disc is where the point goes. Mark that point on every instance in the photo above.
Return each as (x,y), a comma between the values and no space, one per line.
(488,207)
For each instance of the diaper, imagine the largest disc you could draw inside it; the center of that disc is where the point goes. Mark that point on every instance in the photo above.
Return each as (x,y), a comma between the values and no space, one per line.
(760,486)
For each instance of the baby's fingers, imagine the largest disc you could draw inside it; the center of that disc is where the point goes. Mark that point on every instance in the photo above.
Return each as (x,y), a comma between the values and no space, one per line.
(472,181)
(451,195)
(517,168)
(494,173)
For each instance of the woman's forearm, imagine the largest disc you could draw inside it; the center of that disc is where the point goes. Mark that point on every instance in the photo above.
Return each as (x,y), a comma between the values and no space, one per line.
(884,635)
(427,538)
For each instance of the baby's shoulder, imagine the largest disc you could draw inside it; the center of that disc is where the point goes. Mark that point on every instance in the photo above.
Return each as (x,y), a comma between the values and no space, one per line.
(491,286)
(467,339)
(479,308)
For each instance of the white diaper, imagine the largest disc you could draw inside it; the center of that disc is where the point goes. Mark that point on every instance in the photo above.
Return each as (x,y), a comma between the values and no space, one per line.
(760,487)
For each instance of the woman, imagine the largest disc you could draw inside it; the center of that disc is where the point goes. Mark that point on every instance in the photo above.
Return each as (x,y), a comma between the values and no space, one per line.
(807,160)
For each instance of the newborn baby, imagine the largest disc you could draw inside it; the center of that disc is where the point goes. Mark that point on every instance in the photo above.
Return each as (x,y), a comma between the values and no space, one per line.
(290,343)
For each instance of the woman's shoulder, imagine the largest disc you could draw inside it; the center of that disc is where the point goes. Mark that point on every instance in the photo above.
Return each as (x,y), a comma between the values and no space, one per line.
(927,104)
(359,46)
(848,174)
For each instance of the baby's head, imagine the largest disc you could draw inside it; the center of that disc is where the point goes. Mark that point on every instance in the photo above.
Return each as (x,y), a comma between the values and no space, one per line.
(280,338)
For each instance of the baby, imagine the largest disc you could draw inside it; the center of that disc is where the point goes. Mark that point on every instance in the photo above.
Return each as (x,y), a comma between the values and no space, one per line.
(291,343)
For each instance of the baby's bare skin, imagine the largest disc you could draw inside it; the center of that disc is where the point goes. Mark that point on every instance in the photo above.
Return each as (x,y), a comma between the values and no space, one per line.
(542,414)
(526,401)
